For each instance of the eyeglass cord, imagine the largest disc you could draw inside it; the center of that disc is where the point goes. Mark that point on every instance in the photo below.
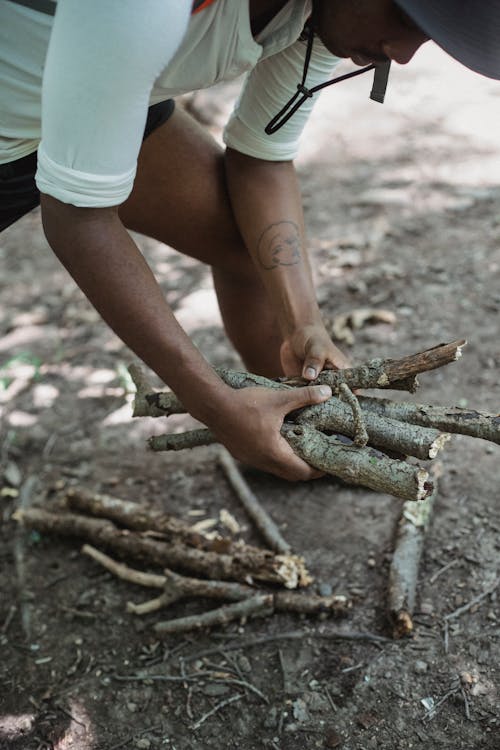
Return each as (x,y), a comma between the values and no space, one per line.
(303,93)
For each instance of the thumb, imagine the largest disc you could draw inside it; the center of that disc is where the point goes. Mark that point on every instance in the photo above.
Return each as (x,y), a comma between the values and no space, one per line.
(311,394)
(314,362)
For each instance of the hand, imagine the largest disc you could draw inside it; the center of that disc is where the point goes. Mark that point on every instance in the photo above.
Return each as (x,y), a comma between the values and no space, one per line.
(308,350)
(250,427)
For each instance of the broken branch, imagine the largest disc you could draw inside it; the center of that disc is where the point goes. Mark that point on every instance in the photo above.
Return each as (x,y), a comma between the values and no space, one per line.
(355,465)
(263,521)
(450,419)
(259,605)
(262,565)
(403,574)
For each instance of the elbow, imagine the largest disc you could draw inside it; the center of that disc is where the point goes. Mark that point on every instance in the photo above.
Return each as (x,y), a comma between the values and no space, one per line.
(62,220)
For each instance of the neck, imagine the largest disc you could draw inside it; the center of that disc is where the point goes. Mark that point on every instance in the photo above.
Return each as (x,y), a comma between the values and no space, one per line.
(262,12)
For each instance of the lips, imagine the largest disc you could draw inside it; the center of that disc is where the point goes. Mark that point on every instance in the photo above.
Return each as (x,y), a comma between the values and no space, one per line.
(359,59)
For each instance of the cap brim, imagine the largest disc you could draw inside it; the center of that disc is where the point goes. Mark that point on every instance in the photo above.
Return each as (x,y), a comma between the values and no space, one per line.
(469,32)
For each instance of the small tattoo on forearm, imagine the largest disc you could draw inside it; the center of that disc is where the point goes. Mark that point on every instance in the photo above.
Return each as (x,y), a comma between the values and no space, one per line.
(279,245)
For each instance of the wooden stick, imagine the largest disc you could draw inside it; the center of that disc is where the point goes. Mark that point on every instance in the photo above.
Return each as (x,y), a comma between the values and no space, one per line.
(450,419)
(260,605)
(364,466)
(399,374)
(136,517)
(287,570)
(120,570)
(360,436)
(403,574)
(181,440)
(156,404)
(384,432)
(260,517)
(176,587)
(143,403)
(139,518)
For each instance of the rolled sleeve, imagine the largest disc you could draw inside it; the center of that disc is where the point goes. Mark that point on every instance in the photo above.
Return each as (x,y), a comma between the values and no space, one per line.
(268,87)
(102,61)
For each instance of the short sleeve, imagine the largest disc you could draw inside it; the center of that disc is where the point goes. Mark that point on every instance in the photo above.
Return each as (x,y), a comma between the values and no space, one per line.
(102,61)
(268,87)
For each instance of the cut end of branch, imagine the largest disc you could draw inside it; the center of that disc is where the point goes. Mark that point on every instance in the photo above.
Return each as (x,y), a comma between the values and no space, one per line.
(18,516)
(293,572)
(460,346)
(424,485)
(402,625)
(438,444)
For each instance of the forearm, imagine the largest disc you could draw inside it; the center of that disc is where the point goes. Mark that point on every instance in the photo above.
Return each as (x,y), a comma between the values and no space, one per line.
(106,264)
(108,267)
(266,202)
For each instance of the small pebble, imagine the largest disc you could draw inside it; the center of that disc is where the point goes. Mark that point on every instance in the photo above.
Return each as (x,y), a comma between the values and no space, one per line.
(325,589)
(426,608)
(332,739)
(244,664)
(132,707)
(143,743)
(420,667)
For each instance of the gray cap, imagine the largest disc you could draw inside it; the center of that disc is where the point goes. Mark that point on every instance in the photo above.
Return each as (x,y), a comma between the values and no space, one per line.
(468,30)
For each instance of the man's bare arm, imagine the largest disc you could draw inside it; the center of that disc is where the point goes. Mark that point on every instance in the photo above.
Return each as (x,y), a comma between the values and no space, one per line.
(267,204)
(106,264)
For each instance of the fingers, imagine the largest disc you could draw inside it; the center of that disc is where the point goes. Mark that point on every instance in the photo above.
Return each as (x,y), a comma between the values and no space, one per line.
(299,397)
(292,468)
(314,361)
(318,357)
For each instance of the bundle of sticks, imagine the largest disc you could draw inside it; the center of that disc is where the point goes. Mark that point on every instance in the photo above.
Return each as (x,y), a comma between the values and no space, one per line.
(257,581)
(360,439)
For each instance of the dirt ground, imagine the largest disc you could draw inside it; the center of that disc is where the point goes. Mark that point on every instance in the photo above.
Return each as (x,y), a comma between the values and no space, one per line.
(402,213)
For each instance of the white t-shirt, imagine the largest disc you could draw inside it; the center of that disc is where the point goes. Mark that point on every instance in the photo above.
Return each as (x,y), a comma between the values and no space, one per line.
(108,60)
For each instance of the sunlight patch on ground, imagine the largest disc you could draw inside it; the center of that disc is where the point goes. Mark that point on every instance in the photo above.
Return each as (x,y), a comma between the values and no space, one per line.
(13,726)
(457,110)
(44,395)
(199,310)
(18,418)
(79,734)
(122,415)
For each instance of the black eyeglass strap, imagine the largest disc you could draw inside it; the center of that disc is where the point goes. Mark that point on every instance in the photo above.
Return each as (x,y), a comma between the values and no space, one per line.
(303,93)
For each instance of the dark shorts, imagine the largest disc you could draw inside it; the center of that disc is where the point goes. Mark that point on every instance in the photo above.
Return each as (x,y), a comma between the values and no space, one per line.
(18,191)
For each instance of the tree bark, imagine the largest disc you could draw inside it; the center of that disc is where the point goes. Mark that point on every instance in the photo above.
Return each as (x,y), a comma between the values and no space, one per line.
(450,419)
(364,466)
(384,432)
(287,570)
(403,574)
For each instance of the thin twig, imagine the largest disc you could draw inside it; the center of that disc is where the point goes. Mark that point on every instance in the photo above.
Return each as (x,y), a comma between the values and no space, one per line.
(120,570)
(477,600)
(10,614)
(261,518)
(259,605)
(244,684)
(348,635)
(446,637)
(442,570)
(360,433)
(216,708)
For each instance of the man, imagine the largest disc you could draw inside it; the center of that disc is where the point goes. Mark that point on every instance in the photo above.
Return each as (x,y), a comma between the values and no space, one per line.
(238,211)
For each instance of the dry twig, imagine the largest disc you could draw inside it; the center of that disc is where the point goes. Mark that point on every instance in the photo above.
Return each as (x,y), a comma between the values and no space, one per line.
(403,573)
(287,570)
(260,517)
(176,587)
